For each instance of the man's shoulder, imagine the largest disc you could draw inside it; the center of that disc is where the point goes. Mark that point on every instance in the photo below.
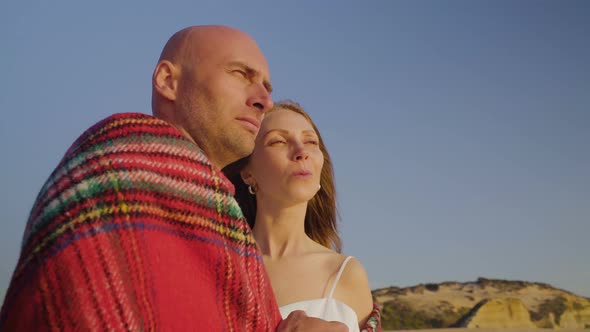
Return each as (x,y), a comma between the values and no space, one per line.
(129,115)
(134,138)
(123,127)
(123,123)
(144,144)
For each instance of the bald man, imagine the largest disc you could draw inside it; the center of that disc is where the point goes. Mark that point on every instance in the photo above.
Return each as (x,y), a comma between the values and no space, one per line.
(137,229)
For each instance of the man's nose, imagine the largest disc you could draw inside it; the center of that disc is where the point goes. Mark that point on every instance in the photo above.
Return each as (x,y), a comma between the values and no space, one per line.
(260,99)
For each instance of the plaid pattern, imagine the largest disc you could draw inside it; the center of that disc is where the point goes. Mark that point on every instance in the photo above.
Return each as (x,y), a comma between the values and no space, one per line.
(373,323)
(136,230)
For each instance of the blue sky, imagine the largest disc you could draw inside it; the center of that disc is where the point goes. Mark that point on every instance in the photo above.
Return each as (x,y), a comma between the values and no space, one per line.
(459,130)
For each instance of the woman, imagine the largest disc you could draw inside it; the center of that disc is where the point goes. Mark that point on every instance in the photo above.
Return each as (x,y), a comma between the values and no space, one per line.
(286,191)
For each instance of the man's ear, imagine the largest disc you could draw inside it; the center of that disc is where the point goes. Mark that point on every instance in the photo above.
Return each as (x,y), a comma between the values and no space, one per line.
(165,80)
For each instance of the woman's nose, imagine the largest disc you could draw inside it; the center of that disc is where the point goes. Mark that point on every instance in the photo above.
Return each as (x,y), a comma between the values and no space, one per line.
(301,153)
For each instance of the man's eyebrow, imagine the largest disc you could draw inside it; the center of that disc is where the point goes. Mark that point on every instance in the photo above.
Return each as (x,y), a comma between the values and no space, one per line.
(268,86)
(251,73)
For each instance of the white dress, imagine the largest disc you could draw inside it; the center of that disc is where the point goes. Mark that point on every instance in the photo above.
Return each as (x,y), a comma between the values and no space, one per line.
(326,308)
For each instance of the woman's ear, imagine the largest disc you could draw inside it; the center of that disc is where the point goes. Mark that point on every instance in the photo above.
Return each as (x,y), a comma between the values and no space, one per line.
(247,177)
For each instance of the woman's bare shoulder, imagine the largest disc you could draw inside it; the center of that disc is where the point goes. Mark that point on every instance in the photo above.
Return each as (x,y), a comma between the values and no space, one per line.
(354,276)
(354,290)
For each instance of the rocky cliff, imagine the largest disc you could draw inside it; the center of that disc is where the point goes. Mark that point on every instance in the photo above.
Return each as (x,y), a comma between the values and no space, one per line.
(498,313)
(485,303)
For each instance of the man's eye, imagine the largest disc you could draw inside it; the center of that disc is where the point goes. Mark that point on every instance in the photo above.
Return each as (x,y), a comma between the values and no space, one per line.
(240,72)
(314,142)
(277,142)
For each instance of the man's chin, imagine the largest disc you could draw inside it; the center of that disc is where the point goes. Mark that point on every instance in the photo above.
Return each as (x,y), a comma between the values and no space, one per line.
(243,150)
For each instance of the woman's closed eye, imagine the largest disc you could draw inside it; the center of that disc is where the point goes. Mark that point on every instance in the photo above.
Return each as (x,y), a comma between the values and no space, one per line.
(277,142)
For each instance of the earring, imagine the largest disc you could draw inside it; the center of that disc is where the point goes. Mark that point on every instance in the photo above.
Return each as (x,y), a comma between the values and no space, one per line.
(319,186)
(251,190)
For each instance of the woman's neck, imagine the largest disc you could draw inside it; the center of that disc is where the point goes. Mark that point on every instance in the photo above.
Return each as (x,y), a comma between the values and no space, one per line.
(280,231)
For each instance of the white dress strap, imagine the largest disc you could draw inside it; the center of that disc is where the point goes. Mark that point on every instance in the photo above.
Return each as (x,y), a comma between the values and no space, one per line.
(338,276)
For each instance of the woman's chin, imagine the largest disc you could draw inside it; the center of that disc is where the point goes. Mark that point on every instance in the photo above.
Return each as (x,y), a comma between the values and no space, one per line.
(302,196)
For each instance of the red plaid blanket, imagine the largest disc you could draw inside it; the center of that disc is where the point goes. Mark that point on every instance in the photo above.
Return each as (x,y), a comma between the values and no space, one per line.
(137,230)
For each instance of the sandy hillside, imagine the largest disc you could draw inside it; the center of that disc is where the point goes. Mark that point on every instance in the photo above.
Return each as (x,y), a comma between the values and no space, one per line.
(485,303)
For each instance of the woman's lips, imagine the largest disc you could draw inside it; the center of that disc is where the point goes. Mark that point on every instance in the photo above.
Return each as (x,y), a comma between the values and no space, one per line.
(302,174)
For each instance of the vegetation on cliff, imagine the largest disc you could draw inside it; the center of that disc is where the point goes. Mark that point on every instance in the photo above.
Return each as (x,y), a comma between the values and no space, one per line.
(451,304)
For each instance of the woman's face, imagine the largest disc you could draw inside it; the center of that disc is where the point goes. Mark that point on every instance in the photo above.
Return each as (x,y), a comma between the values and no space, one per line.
(286,163)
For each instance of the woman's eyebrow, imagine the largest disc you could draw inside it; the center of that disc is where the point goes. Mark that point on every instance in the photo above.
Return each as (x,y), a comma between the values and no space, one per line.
(287,132)
(282,131)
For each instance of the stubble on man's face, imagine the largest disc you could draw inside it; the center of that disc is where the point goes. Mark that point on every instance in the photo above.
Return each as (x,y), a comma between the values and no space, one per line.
(213,98)
(210,122)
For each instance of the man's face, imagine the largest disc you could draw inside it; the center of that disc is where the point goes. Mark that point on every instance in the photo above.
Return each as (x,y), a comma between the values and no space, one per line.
(223,95)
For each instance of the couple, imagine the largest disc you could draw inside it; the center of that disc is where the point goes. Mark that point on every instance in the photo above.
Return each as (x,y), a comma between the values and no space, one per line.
(137,228)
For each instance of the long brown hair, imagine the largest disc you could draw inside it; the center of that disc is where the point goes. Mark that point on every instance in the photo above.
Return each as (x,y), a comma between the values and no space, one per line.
(321,217)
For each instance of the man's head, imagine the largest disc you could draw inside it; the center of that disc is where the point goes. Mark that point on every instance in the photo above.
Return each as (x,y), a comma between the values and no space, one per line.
(212,83)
